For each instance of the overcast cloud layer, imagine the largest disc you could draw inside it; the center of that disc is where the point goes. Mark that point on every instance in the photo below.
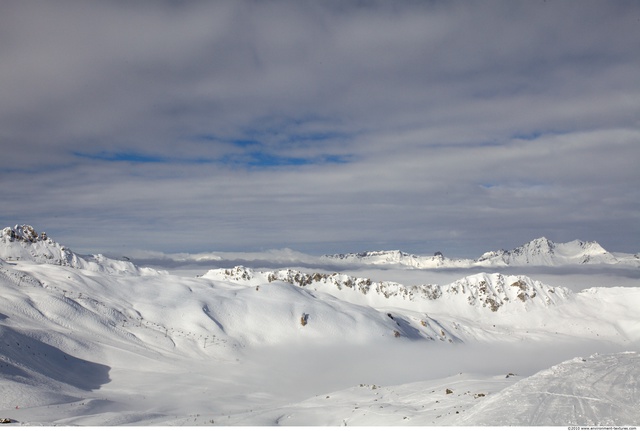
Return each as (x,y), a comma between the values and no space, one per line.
(323,126)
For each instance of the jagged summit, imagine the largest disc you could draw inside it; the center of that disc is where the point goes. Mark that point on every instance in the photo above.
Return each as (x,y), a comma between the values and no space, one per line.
(24,243)
(23,232)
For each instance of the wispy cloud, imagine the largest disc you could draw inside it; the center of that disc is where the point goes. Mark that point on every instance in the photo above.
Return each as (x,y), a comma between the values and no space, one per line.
(324,126)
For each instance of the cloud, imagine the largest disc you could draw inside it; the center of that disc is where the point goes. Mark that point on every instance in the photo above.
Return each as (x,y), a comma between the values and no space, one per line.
(409,362)
(321,126)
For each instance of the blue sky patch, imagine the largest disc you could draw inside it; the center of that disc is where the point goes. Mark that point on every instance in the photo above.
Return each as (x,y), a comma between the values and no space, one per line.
(268,160)
(487,185)
(261,159)
(535,134)
(122,157)
(135,157)
(252,159)
(268,146)
(529,136)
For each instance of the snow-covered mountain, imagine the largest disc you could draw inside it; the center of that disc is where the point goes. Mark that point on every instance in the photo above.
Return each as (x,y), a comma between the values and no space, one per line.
(539,252)
(397,257)
(91,343)
(487,291)
(543,252)
(22,242)
(386,257)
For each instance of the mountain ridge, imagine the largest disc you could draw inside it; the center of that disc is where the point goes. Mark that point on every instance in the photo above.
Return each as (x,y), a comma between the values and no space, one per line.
(538,252)
(24,242)
(482,290)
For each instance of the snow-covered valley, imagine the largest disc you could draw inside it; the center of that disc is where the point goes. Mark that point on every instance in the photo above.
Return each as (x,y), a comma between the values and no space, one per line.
(89,340)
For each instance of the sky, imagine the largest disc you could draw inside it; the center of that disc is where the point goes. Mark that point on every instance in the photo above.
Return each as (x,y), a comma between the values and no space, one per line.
(321,126)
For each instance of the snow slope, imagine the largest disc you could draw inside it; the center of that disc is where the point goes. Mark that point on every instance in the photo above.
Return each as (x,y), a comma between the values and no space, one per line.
(113,345)
(600,390)
(479,307)
(370,404)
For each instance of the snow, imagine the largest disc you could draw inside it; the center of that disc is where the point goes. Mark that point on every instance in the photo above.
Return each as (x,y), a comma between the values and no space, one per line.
(22,242)
(601,390)
(97,341)
(539,252)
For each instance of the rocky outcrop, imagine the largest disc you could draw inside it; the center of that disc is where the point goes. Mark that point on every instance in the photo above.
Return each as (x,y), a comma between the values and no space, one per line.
(486,291)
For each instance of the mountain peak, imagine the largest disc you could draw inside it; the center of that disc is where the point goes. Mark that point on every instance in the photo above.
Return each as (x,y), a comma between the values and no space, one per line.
(537,252)
(23,232)
(542,251)
(538,246)
(543,240)
(392,257)
(24,243)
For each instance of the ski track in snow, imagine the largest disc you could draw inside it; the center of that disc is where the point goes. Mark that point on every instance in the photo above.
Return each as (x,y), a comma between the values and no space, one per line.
(601,390)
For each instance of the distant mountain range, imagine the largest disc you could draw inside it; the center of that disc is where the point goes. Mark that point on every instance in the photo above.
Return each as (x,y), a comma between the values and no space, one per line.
(539,252)
(23,242)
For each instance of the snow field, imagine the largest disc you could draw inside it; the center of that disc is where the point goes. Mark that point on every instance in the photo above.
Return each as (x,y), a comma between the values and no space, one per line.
(244,347)
(601,390)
